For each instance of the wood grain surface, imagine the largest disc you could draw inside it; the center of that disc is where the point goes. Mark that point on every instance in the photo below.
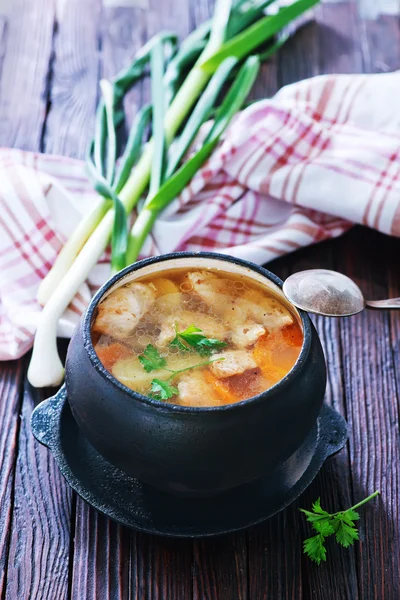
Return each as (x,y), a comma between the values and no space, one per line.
(53,546)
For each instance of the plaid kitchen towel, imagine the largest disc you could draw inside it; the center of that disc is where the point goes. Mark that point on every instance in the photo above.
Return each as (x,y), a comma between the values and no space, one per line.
(294,170)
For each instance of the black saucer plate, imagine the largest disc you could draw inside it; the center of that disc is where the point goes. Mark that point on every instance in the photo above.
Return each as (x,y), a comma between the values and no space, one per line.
(142,507)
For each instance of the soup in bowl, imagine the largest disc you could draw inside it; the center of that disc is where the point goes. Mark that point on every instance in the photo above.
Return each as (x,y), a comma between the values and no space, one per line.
(196,337)
(194,374)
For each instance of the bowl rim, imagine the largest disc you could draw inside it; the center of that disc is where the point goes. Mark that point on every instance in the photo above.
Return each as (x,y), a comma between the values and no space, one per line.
(177,408)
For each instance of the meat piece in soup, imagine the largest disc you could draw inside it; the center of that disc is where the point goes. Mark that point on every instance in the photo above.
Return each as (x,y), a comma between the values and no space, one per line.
(196,337)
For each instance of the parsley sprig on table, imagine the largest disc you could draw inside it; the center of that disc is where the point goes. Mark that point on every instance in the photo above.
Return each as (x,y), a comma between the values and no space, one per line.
(193,338)
(152,360)
(341,524)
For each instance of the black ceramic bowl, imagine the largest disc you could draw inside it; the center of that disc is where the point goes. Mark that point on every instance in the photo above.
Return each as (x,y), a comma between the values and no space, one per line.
(192,450)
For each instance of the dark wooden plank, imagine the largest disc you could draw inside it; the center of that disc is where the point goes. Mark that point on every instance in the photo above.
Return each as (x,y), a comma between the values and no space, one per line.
(75,73)
(220,568)
(101,557)
(40,534)
(161,568)
(123,32)
(11,376)
(339,38)
(370,366)
(380,41)
(3,39)
(24,78)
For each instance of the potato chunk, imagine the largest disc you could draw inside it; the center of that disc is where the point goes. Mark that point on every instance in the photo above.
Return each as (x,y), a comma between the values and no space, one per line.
(194,390)
(120,312)
(235,362)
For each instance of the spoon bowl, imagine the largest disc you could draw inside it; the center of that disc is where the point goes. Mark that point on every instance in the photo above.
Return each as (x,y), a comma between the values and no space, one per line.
(324,292)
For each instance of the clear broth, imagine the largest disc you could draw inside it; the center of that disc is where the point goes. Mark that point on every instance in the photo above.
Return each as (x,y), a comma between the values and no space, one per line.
(261,337)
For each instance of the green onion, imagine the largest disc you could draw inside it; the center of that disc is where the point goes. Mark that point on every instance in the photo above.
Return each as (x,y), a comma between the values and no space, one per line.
(247,41)
(108,98)
(175,184)
(200,114)
(158,100)
(133,146)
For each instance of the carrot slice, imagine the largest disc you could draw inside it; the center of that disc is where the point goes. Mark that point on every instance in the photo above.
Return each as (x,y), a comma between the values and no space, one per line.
(111,353)
(220,388)
(263,354)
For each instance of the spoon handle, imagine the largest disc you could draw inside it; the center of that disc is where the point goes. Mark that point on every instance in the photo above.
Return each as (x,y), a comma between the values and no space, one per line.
(390,303)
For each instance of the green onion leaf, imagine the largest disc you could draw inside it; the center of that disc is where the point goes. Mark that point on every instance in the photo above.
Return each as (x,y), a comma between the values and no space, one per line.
(108,99)
(220,22)
(98,145)
(242,18)
(158,101)
(200,114)
(242,44)
(175,184)
(133,146)
(235,97)
(119,236)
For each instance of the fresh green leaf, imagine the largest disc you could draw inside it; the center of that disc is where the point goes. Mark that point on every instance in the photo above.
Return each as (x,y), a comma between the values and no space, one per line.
(120,225)
(325,524)
(194,337)
(178,344)
(317,507)
(108,99)
(151,359)
(234,98)
(98,144)
(324,527)
(345,534)
(251,38)
(162,390)
(158,101)
(219,24)
(315,549)
(133,146)
(349,516)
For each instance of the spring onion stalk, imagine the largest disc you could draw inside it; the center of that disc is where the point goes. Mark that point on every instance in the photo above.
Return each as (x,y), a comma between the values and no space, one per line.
(89,241)
(123,82)
(233,101)
(108,97)
(158,101)
(252,37)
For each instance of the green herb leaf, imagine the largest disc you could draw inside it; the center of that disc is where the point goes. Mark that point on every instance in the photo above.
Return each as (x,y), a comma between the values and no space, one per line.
(151,359)
(317,508)
(314,548)
(345,534)
(162,390)
(194,337)
(325,524)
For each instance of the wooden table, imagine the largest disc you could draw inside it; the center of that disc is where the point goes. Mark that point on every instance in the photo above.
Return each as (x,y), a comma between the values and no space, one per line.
(54,546)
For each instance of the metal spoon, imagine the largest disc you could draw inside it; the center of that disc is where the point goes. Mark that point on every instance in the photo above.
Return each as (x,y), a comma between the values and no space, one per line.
(330,294)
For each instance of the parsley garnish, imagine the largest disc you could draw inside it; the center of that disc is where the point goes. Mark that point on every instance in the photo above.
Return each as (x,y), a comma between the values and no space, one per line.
(195,338)
(151,359)
(162,390)
(325,524)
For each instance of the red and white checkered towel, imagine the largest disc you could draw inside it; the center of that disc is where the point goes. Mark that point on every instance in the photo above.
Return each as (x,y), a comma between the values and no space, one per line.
(300,168)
